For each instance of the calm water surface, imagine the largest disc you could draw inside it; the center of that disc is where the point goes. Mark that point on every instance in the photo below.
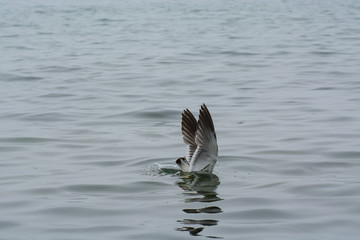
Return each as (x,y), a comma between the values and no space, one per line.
(91,100)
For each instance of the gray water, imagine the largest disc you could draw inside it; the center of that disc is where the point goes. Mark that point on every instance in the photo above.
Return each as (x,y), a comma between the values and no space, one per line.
(90,108)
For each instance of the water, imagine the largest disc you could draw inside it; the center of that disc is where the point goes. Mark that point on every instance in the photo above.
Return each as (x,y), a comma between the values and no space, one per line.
(91,100)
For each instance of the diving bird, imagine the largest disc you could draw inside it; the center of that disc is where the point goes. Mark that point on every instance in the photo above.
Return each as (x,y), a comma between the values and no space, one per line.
(201,140)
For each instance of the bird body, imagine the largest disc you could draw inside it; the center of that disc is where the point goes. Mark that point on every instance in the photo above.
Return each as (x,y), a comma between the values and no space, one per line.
(200,137)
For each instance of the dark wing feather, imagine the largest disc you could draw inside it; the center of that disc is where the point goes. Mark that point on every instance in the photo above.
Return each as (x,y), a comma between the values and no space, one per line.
(188,128)
(204,127)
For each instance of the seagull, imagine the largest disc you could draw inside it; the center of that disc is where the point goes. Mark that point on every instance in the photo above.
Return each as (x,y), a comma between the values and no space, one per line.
(201,140)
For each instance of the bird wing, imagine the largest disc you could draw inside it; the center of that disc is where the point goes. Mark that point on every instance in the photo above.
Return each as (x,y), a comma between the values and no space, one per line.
(206,153)
(188,128)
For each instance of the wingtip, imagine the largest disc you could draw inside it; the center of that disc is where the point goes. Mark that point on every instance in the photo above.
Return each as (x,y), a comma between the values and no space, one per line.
(204,107)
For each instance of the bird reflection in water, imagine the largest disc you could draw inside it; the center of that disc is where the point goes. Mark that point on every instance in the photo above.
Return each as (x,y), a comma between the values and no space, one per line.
(199,188)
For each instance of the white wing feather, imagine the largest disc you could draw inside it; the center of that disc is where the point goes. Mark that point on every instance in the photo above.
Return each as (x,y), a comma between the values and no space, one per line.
(206,153)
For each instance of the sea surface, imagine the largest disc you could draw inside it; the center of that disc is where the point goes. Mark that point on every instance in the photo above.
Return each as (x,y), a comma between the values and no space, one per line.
(91,96)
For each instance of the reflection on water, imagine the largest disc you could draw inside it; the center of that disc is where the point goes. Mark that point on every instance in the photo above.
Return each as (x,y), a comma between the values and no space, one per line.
(199,188)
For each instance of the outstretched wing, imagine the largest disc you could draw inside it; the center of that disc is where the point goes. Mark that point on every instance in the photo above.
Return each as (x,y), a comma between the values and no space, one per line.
(206,153)
(188,128)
